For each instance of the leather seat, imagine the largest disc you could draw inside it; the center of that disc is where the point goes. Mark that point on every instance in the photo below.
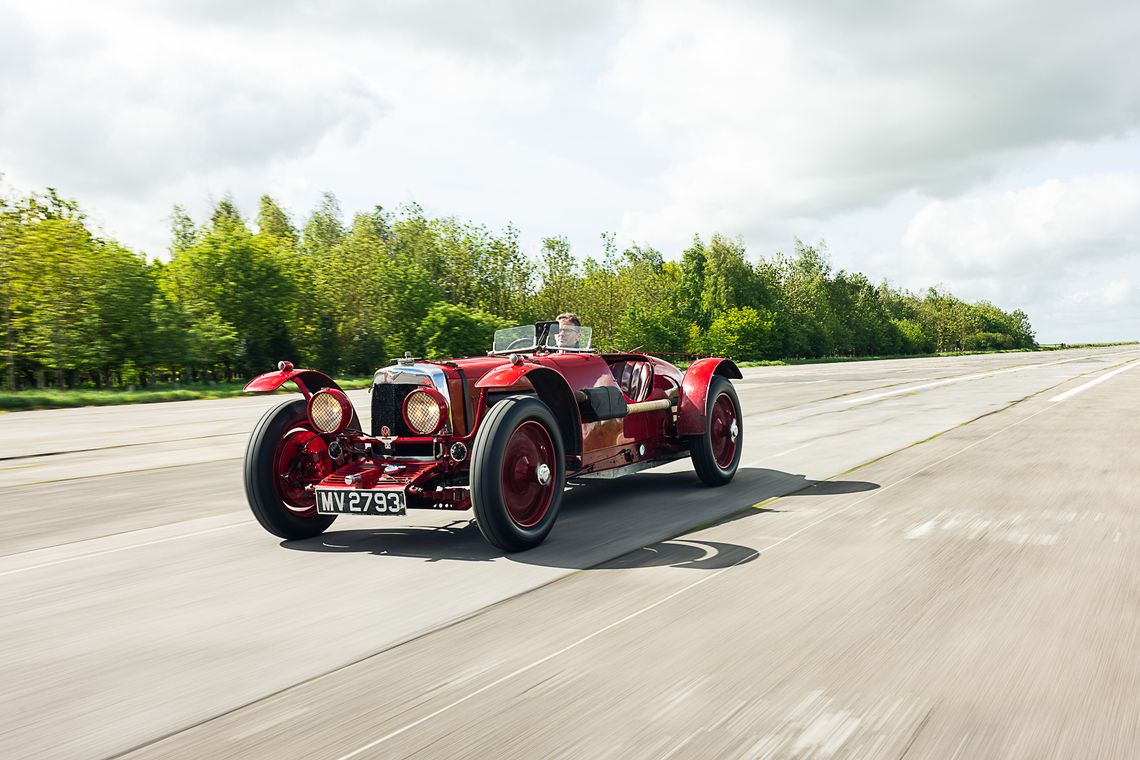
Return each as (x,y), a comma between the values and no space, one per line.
(634,378)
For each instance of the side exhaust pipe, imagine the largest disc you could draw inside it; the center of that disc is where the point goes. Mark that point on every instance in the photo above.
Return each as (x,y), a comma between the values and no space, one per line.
(591,409)
(668,402)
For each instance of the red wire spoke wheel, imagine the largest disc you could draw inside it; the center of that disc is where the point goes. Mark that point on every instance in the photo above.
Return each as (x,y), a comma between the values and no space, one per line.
(724,430)
(302,459)
(528,466)
(518,473)
(716,452)
(284,456)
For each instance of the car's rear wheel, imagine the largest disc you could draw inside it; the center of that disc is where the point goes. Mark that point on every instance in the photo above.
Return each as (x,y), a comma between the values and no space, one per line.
(518,473)
(716,452)
(284,456)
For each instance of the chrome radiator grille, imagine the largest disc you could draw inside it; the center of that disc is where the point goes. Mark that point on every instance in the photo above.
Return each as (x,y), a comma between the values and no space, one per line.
(387,408)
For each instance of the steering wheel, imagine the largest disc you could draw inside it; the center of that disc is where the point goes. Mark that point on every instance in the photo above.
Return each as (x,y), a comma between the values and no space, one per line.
(516,342)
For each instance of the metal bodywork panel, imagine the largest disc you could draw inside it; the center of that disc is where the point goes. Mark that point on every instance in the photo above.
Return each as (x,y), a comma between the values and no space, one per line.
(413,374)
(691,412)
(551,387)
(617,472)
(307,381)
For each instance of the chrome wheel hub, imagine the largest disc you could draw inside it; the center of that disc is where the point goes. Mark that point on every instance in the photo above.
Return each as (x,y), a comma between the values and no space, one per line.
(543,474)
(734,431)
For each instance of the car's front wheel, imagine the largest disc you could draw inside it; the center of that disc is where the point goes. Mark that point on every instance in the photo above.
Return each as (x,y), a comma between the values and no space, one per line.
(285,456)
(518,473)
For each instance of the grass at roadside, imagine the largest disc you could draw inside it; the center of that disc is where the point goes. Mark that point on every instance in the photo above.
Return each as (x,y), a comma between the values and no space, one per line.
(53,399)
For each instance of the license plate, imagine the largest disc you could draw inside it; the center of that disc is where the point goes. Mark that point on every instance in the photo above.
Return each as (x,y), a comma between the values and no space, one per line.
(337,501)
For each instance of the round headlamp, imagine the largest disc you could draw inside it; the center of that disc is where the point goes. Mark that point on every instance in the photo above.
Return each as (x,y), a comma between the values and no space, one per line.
(330,410)
(425,410)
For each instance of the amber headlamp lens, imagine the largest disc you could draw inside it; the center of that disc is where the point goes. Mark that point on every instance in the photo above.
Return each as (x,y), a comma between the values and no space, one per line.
(326,411)
(422,412)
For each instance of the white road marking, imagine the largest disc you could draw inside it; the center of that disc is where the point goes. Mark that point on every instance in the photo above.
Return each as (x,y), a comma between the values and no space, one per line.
(921,530)
(1017,529)
(704,579)
(1082,388)
(963,378)
(826,734)
(88,555)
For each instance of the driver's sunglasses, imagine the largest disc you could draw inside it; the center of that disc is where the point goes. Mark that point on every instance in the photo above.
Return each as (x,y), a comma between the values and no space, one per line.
(568,331)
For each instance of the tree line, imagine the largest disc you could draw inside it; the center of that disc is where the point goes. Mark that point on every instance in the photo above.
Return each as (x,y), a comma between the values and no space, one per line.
(235,295)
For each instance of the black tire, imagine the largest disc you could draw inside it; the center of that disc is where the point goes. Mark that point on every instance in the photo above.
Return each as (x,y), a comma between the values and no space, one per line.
(703,448)
(267,504)
(509,423)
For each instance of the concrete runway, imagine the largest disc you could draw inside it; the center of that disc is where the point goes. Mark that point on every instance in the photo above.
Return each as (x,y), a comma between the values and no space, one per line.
(950,573)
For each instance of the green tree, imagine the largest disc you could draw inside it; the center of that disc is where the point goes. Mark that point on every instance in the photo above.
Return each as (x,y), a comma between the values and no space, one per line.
(229,277)
(182,231)
(274,227)
(450,331)
(324,229)
(912,339)
(653,330)
(80,309)
(987,341)
(743,333)
(808,322)
(729,280)
(693,263)
(226,213)
(559,280)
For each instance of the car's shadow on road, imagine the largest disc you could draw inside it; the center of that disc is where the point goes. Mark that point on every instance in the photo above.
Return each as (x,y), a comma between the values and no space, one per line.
(614,524)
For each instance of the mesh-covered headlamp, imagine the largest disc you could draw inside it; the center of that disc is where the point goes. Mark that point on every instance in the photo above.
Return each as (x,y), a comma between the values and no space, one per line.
(330,411)
(425,410)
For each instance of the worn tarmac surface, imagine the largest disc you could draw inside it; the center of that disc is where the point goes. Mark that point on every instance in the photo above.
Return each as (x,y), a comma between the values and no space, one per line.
(950,572)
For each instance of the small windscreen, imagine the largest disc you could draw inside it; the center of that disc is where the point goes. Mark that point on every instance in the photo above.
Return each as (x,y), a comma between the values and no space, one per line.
(515,338)
(569,337)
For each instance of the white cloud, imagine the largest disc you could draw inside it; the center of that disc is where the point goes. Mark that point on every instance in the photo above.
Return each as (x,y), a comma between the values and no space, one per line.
(1036,233)
(1064,251)
(1116,292)
(791,113)
(123,107)
(507,30)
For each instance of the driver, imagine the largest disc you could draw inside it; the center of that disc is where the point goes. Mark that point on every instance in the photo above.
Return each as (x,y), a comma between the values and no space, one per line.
(569,329)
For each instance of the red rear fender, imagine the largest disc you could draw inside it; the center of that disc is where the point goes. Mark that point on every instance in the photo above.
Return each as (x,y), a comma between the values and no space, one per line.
(691,419)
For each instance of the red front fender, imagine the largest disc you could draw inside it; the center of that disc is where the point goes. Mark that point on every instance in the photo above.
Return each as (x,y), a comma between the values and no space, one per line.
(505,376)
(308,381)
(552,389)
(691,419)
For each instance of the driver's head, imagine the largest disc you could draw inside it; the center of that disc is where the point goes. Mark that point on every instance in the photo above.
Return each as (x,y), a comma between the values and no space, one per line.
(569,328)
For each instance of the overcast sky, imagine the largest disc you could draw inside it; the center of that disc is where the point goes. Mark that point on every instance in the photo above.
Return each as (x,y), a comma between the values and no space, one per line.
(990,146)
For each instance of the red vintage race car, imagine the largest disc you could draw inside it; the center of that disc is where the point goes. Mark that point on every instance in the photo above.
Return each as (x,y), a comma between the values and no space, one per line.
(498,434)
